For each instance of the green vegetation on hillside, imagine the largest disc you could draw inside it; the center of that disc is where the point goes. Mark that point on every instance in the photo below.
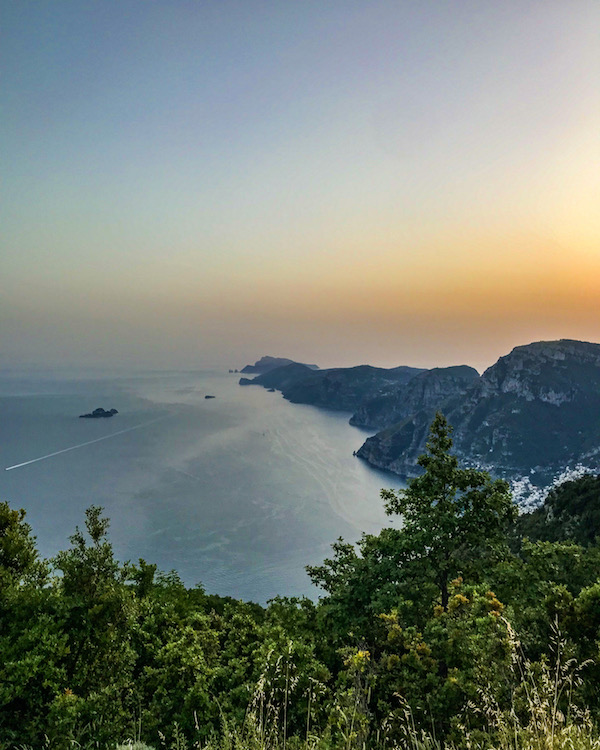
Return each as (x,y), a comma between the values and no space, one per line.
(456,629)
(570,512)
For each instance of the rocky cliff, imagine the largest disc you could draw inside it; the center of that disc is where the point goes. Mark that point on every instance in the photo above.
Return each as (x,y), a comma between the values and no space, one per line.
(533,413)
(425,391)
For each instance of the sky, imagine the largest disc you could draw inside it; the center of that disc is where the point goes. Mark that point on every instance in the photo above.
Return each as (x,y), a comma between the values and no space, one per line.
(191,183)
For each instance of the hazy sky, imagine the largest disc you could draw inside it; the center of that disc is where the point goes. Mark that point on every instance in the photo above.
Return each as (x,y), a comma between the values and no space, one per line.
(200,182)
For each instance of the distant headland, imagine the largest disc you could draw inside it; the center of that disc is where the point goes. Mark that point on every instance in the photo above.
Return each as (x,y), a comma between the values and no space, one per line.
(266,364)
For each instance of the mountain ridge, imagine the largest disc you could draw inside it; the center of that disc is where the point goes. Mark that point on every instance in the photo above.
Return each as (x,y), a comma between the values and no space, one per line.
(340,388)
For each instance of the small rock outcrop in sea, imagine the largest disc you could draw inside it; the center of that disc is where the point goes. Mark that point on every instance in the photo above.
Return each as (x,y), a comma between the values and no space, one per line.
(99,413)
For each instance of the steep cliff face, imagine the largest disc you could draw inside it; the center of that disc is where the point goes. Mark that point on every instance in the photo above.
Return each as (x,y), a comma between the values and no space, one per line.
(553,372)
(537,409)
(534,412)
(397,448)
(424,392)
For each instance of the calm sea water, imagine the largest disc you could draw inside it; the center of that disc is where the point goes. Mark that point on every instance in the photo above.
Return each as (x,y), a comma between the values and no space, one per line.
(238,492)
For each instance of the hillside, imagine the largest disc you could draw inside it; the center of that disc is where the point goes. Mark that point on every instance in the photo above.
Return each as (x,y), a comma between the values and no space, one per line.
(534,412)
(425,391)
(571,512)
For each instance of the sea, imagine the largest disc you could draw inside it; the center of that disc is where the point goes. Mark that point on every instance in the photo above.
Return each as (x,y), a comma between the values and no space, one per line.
(237,493)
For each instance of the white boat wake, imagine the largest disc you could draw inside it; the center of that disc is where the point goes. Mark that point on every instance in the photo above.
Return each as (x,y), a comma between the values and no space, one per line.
(88,442)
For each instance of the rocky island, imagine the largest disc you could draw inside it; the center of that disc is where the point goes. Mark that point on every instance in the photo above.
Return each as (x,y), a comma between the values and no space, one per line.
(99,413)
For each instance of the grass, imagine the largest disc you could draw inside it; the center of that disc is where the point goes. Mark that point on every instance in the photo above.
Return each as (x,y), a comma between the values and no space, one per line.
(542,715)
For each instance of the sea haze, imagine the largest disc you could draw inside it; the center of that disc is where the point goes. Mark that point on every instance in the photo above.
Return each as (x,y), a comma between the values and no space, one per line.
(238,492)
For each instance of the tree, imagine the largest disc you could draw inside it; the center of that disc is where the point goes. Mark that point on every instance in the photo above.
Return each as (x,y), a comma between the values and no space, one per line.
(454,523)
(31,643)
(19,562)
(97,611)
(443,667)
(454,519)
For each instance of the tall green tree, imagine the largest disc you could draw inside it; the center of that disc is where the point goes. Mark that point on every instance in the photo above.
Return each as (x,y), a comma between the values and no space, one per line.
(454,523)
(19,561)
(31,642)
(97,611)
(455,520)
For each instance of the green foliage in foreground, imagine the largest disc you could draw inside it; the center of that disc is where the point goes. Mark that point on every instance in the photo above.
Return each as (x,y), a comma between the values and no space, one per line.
(413,644)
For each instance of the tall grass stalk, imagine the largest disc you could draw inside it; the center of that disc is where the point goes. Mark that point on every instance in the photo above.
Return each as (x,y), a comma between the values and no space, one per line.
(539,722)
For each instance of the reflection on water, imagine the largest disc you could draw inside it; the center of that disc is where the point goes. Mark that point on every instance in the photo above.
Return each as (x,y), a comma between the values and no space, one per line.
(238,492)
